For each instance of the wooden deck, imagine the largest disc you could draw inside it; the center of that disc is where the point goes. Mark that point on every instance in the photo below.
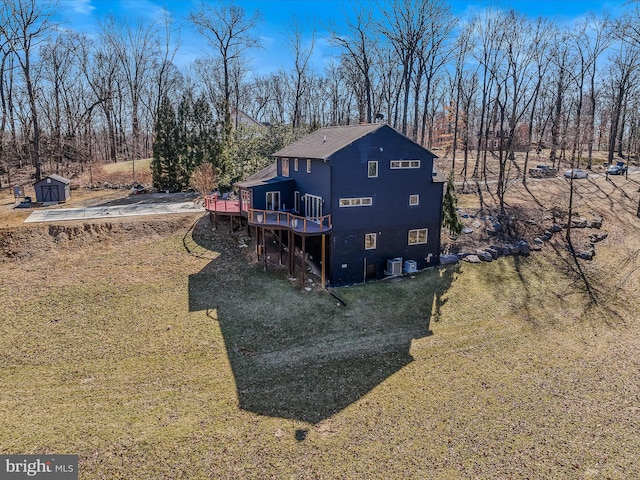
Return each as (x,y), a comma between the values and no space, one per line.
(289,221)
(213,204)
(268,218)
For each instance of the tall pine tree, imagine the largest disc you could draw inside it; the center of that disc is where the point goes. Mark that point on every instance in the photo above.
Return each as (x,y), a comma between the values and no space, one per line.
(450,218)
(165,165)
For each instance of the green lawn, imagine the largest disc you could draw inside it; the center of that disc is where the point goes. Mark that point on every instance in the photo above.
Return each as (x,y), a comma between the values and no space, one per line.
(149,362)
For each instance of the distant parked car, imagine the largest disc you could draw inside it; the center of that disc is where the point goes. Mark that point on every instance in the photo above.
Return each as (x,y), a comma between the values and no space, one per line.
(618,169)
(542,171)
(576,173)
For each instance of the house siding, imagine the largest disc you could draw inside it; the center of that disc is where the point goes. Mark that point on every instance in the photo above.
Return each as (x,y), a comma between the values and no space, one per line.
(390,215)
(317,183)
(343,172)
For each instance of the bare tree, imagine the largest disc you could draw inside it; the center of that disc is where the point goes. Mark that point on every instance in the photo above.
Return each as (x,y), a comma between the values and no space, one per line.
(623,67)
(301,54)
(136,48)
(24,24)
(229,32)
(358,44)
(405,24)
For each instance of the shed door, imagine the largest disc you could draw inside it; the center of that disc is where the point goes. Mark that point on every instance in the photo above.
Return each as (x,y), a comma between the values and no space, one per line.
(50,193)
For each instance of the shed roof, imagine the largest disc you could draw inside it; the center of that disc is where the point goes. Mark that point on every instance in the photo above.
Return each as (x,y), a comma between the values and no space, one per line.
(324,142)
(58,178)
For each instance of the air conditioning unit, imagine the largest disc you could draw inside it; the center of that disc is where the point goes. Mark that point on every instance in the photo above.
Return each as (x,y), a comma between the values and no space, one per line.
(394,266)
(410,266)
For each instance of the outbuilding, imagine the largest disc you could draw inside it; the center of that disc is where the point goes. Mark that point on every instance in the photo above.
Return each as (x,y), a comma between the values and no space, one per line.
(53,188)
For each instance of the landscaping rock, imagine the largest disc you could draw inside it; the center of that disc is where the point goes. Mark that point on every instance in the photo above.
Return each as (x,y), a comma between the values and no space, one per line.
(472,259)
(595,224)
(524,247)
(598,237)
(467,230)
(586,254)
(448,259)
(538,241)
(579,222)
(484,256)
(494,252)
(555,228)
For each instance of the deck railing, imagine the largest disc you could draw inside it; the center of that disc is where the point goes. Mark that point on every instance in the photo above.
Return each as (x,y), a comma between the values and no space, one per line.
(290,221)
(213,203)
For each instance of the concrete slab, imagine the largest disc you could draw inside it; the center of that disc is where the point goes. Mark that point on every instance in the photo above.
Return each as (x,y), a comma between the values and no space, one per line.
(64,214)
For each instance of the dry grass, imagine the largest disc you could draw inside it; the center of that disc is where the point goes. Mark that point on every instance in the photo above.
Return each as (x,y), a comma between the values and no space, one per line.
(152,363)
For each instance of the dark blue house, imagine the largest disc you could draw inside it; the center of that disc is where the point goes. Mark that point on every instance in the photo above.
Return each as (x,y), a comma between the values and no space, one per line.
(363,201)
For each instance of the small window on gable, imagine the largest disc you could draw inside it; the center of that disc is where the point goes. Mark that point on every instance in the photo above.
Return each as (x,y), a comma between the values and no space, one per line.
(414,200)
(308,165)
(295,164)
(285,167)
(372,169)
(370,241)
(417,236)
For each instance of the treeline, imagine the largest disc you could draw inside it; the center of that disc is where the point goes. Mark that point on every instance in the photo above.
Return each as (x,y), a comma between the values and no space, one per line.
(481,87)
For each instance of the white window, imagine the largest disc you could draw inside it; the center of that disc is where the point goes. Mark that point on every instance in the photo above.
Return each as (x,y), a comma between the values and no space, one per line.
(414,200)
(417,236)
(295,164)
(356,202)
(285,167)
(396,164)
(296,201)
(308,165)
(370,241)
(372,169)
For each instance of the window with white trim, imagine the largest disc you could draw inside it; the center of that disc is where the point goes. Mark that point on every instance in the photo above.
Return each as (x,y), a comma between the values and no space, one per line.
(370,241)
(414,200)
(372,169)
(295,164)
(397,164)
(285,167)
(308,165)
(417,236)
(356,202)
(296,201)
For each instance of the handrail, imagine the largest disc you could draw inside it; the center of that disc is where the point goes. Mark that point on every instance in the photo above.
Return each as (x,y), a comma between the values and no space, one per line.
(211,203)
(293,222)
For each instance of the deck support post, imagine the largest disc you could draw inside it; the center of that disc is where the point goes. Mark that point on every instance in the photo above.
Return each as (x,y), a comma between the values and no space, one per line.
(304,259)
(292,251)
(322,266)
(264,249)
(280,246)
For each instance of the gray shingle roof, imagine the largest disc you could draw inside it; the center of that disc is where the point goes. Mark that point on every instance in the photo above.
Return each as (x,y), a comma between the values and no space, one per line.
(56,177)
(326,141)
(263,177)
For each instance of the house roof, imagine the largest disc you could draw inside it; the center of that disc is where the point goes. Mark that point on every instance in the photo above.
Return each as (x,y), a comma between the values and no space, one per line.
(326,141)
(263,177)
(58,178)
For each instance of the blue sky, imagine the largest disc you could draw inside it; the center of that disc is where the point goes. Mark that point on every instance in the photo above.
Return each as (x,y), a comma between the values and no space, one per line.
(84,15)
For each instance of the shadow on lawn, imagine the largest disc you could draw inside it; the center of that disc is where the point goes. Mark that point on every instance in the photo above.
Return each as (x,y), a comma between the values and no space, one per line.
(300,355)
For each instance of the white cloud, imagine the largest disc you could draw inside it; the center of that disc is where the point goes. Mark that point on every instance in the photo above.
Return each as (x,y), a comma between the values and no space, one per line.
(82,7)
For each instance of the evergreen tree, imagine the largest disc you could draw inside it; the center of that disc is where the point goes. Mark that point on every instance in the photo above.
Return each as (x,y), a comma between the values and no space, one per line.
(450,218)
(165,163)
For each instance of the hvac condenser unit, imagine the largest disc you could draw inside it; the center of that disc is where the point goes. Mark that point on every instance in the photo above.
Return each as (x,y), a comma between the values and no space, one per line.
(394,266)
(410,266)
